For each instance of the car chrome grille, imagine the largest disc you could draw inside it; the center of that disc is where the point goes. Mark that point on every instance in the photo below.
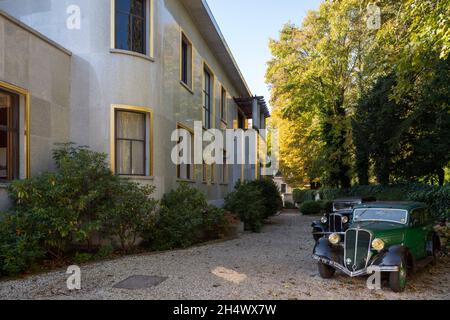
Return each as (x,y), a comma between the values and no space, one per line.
(357,249)
(335,223)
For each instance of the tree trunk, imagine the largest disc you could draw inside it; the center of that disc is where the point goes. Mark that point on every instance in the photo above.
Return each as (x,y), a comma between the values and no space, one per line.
(441,177)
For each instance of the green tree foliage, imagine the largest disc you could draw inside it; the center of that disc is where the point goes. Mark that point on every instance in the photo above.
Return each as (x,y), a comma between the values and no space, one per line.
(349,99)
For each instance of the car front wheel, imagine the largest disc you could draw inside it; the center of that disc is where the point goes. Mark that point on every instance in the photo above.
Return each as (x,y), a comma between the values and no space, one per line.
(397,280)
(325,271)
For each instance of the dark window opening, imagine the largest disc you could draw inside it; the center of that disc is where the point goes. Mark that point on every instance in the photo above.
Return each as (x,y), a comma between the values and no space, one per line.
(223,105)
(186,61)
(207,99)
(131,25)
(9,136)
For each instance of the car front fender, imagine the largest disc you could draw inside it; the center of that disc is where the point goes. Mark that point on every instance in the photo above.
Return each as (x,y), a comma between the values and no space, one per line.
(393,257)
(323,249)
(318,225)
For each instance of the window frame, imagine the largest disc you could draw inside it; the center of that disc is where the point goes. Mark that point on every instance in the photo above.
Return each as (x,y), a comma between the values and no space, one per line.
(24,128)
(224,105)
(189,83)
(149,152)
(191,167)
(208,110)
(149,30)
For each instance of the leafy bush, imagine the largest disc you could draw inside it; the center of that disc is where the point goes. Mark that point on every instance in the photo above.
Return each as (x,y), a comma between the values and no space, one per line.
(131,213)
(57,212)
(327,206)
(311,208)
(438,198)
(185,218)
(271,196)
(247,202)
(19,248)
(65,205)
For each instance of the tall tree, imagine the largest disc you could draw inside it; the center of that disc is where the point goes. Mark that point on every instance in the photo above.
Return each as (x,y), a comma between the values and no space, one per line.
(319,69)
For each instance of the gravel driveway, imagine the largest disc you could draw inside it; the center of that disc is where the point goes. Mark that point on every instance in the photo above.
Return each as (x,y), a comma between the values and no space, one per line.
(275,264)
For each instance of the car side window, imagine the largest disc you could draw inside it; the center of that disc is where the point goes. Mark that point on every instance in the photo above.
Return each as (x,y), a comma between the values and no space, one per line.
(417,217)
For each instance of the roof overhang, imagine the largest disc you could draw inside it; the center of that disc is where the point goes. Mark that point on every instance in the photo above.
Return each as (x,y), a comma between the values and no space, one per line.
(246,105)
(203,18)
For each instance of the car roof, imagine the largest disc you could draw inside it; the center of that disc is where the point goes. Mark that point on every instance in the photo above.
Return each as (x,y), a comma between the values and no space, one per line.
(402,205)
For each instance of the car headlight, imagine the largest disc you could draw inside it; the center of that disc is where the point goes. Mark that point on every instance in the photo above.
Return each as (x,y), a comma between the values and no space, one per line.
(334,238)
(378,244)
(345,219)
(324,220)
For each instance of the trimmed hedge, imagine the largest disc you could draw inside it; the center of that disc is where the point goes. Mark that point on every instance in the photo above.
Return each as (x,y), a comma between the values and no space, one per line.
(311,208)
(438,198)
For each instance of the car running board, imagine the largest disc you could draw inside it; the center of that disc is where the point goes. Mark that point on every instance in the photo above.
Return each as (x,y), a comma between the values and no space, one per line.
(423,263)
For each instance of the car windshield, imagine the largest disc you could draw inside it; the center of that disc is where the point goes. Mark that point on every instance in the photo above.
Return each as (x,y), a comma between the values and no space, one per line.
(344,205)
(389,215)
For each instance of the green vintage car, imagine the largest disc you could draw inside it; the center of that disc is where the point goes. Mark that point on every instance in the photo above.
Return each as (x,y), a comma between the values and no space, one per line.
(396,238)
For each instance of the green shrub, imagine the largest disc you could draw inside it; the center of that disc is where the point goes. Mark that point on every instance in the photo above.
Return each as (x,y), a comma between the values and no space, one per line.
(19,248)
(311,208)
(81,258)
(271,196)
(131,213)
(185,218)
(65,206)
(57,212)
(327,206)
(438,198)
(105,251)
(247,202)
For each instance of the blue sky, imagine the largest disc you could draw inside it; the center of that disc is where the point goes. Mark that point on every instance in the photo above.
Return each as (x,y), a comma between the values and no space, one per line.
(249,24)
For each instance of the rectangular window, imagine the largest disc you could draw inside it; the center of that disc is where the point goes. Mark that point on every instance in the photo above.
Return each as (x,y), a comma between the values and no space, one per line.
(131,143)
(223,105)
(186,61)
(9,136)
(225,168)
(131,25)
(283,188)
(185,171)
(207,97)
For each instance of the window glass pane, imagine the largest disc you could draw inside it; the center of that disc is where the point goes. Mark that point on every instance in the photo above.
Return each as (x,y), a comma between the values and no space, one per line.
(123,157)
(131,25)
(138,8)
(138,35)
(184,62)
(138,158)
(9,136)
(130,125)
(123,5)
(123,32)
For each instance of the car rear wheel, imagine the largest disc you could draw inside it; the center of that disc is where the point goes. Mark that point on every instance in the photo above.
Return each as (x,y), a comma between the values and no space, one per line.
(325,271)
(397,280)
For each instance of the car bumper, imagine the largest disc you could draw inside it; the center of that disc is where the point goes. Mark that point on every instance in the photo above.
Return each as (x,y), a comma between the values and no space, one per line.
(358,273)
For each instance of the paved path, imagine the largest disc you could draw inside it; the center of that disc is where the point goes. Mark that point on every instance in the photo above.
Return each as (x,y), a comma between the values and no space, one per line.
(275,264)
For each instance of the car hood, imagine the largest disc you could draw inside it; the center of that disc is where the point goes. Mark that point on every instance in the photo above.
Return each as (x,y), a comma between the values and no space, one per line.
(391,233)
